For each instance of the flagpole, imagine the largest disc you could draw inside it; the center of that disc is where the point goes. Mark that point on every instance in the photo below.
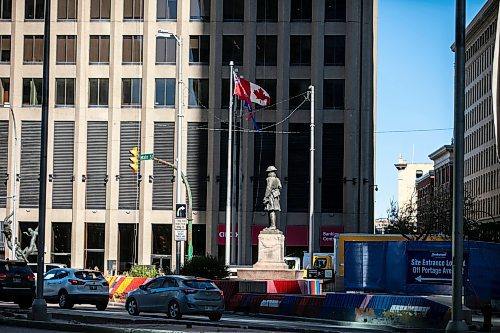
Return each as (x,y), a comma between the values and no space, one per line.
(229,168)
(234,211)
(311,181)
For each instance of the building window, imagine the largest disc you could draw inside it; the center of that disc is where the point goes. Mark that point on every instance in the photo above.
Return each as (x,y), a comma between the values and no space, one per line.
(199,239)
(94,245)
(66,9)
(199,49)
(165,50)
(233,11)
(298,167)
(131,92)
(133,10)
(34,9)
(334,50)
(5,89)
(267,10)
(66,50)
(300,50)
(232,49)
(198,93)
(5,9)
(200,10)
(333,168)
(266,53)
(99,50)
(224,99)
(100,10)
(165,92)
(333,94)
(33,49)
(98,92)
(335,10)
(132,49)
(5,49)
(61,243)
(301,11)
(32,91)
(65,92)
(166,9)
(162,239)
(268,85)
(297,93)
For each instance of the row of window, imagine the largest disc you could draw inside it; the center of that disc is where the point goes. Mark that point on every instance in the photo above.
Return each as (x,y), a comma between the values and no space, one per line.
(481,40)
(131,92)
(479,65)
(166,50)
(480,161)
(477,90)
(480,111)
(479,136)
(233,11)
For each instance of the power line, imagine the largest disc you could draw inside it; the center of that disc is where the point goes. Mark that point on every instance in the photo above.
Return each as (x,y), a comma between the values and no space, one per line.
(415,130)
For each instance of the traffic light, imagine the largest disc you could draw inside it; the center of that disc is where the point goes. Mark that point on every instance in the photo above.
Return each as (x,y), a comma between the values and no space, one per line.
(134,159)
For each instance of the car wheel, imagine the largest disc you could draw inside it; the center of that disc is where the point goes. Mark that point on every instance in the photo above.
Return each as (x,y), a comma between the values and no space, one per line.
(174,310)
(132,307)
(101,306)
(215,316)
(64,303)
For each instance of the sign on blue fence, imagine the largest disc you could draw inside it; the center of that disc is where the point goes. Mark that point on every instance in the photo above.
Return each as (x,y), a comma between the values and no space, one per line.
(429,267)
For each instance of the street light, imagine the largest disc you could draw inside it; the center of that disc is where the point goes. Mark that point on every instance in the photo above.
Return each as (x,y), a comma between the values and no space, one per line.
(14,194)
(179,199)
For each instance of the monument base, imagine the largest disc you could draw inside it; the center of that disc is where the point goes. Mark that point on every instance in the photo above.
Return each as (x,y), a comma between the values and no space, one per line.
(269,274)
(271,263)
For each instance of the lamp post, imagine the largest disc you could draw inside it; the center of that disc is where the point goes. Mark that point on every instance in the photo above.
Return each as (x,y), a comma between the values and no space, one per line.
(178,161)
(14,194)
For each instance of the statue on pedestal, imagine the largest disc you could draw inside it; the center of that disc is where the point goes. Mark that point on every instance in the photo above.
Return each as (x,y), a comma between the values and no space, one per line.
(272,196)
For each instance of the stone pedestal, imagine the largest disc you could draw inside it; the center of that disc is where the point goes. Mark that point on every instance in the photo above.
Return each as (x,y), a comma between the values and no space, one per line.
(271,260)
(271,250)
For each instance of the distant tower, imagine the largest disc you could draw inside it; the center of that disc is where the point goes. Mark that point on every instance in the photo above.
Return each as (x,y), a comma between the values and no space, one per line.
(408,173)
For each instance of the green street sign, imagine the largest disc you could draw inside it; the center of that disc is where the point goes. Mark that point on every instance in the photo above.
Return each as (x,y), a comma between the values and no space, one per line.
(145,157)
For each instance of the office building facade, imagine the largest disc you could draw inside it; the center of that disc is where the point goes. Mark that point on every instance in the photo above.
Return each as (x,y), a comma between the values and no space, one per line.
(113,86)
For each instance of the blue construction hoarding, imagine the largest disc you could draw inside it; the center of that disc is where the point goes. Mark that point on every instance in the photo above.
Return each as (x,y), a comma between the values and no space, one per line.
(421,268)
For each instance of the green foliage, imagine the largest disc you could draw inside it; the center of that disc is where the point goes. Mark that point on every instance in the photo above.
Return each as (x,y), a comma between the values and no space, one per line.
(142,271)
(207,266)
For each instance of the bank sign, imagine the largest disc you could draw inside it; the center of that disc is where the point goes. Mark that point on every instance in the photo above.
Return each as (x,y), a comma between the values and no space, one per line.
(430,267)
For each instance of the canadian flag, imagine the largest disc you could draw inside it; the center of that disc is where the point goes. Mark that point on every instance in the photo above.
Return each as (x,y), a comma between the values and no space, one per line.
(250,92)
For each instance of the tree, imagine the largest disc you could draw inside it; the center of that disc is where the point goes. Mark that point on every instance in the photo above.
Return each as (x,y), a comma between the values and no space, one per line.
(431,216)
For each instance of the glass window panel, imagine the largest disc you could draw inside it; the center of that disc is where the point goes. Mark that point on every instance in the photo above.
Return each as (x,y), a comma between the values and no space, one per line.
(300,50)
(335,10)
(200,10)
(95,236)
(93,91)
(232,49)
(298,87)
(126,91)
(61,237)
(28,49)
(267,10)
(159,92)
(39,9)
(60,92)
(103,91)
(94,49)
(6,10)
(5,49)
(127,49)
(161,49)
(171,49)
(71,49)
(61,49)
(105,9)
(62,9)
(136,91)
(224,99)
(301,10)
(233,10)
(72,7)
(70,91)
(38,54)
(162,239)
(267,48)
(95,9)
(334,50)
(138,5)
(104,49)
(128,9)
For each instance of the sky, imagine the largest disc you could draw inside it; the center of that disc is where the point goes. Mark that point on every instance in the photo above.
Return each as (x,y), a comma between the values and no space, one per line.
(414,85)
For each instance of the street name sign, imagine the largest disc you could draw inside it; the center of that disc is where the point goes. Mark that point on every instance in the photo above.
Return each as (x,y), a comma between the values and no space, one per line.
(145,157)
(180,235)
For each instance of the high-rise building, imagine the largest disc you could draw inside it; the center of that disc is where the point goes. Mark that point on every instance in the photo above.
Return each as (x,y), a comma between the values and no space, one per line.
(482,134)
(113,87)
(408,176)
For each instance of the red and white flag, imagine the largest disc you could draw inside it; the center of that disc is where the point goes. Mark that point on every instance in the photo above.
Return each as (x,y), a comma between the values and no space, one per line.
(250,92)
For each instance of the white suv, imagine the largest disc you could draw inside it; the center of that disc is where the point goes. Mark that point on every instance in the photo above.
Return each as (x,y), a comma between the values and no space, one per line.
(68,286)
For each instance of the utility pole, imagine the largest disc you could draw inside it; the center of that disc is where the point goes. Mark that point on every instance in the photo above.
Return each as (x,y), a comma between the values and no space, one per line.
(39,309)
(456,324)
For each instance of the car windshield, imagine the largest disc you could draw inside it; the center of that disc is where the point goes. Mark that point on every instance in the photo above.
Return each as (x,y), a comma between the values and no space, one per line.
(16,268)
(200,284)
(89,275)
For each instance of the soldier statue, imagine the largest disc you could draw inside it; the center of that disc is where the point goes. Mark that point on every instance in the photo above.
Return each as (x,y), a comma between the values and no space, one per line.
(272,196)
